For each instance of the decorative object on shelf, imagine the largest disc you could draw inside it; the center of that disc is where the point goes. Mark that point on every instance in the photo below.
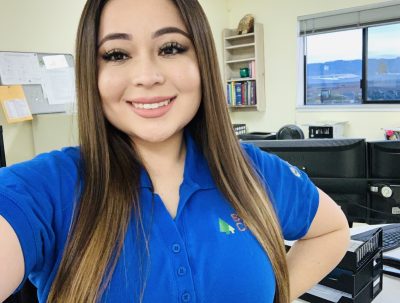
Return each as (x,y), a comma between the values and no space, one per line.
(246,25)
(244,72)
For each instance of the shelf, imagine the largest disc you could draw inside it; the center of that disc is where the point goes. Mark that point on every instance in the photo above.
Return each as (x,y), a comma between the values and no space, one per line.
(240,46)
(243,107)
(240,60)
(239,36)
(240,79)
(244,51)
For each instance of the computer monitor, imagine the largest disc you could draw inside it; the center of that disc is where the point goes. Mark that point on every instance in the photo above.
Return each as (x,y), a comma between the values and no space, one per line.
(2,152)
(337,166)
(384,181)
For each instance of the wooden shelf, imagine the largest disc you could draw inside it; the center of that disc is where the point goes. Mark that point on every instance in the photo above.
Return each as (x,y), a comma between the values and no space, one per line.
(241,46)
(241,51)
(240,79)
(240,60)
(239,36)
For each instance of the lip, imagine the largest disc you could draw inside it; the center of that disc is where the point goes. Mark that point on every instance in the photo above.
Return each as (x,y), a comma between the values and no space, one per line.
(155,112)
(149,100)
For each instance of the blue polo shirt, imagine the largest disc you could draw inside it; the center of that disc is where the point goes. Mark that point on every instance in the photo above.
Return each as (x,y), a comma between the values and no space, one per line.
(204,254)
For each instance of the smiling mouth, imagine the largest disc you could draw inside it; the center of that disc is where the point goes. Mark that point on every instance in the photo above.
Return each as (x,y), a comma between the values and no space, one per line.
(155,105)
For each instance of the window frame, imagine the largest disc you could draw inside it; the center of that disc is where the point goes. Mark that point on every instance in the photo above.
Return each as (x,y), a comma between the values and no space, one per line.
(364,72)
(361,17)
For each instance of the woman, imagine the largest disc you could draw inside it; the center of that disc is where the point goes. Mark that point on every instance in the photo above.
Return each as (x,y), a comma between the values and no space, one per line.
(160,203)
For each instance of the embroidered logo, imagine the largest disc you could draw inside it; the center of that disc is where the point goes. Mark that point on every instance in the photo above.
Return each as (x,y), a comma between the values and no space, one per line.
(239,222)
(295,171)
(225,227)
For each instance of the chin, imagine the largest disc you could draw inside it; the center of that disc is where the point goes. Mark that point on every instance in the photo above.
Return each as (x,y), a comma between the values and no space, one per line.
(153,137)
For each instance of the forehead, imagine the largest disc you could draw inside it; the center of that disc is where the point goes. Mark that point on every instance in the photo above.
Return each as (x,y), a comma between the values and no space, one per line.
(139,16)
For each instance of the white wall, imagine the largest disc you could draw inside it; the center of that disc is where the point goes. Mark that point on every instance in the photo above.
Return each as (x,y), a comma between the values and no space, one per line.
(217,14)
(50,26)
(280,44)
(34,26)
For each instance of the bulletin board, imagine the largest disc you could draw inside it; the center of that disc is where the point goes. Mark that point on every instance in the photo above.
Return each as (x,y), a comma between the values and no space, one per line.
(47,79)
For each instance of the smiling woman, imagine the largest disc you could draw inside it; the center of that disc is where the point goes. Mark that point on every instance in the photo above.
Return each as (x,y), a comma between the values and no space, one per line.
(160,202)
(147,70)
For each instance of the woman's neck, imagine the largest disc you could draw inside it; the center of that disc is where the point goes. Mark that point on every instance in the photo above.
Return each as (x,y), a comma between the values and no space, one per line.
(161,157)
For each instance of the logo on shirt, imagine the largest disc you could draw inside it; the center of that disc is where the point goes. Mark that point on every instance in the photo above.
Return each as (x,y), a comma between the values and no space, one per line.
(225,227)
(295,171)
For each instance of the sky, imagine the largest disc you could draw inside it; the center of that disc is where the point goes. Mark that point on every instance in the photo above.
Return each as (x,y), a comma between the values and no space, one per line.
(383,42)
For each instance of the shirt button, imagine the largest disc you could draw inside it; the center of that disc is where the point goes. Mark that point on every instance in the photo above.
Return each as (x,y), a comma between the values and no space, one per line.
(181,271)
(186,297)
(176,248)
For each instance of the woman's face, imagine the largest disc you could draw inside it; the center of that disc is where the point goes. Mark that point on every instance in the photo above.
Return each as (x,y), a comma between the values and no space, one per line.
(149,79)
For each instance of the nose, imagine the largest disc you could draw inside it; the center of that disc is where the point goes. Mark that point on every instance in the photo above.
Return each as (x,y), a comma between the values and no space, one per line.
(146,72)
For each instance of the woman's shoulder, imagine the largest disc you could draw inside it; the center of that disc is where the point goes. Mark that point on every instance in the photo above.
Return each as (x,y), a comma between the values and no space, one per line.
(258,157)
(45,166)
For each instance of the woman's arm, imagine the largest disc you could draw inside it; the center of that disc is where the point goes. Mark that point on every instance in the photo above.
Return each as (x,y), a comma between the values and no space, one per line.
(11,260)
(320,250)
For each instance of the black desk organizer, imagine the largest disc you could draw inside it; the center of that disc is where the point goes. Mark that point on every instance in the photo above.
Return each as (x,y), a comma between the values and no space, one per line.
(357,278)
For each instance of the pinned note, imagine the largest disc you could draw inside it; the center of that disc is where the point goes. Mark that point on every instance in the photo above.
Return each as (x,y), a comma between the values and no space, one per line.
(56,61)
(14,104)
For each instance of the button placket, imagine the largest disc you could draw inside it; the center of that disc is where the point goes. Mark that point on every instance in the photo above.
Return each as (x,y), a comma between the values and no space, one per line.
(181,271)
(186,297)
(176,248)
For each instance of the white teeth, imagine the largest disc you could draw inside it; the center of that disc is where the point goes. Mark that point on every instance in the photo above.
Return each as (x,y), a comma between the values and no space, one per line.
(151,105)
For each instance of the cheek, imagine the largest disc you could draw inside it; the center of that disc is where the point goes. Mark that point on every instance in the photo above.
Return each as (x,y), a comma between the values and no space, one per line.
(189,79)
(110,86)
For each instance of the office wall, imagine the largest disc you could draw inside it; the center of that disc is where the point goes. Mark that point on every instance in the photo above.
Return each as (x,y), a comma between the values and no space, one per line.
(280,44)
(50,26)
(217,14)
(35,26)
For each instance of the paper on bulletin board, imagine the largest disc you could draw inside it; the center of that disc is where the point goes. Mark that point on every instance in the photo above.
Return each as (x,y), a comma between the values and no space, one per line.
(14,104)
(19,68)
(59,85)
(55,61)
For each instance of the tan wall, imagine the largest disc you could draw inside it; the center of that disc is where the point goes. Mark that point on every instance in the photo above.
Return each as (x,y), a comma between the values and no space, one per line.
(50,26)
(280,44)
(34,26)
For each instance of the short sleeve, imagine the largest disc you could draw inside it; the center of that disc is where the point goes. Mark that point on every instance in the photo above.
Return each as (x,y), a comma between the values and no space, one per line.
(293,195)
(36,200)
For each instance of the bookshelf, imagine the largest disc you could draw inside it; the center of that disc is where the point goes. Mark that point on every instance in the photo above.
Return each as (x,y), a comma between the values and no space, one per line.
(244,51)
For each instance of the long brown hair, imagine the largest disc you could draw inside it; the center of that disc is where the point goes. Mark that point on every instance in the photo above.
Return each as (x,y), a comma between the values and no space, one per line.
(110,169)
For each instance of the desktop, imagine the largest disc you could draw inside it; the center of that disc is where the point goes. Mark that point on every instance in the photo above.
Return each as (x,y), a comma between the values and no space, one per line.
(384,181)
(337,166)
(362,177)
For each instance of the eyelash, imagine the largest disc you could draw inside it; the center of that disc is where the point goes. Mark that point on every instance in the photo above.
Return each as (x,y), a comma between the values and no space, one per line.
(113,55)
(168,49)
(173,47)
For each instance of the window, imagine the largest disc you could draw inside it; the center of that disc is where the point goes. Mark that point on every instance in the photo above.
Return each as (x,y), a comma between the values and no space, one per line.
(352,56)
(383,63)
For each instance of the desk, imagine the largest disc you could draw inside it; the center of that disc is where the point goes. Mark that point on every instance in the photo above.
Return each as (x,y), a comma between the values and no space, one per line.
(391,285)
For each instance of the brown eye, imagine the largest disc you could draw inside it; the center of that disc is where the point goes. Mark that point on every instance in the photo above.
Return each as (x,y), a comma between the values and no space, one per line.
(115,56)
(171,48)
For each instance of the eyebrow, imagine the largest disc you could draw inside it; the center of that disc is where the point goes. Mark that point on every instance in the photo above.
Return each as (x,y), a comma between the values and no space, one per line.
(156,34)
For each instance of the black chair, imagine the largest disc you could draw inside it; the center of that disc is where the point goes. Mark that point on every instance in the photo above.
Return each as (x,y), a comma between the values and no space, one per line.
(27,294)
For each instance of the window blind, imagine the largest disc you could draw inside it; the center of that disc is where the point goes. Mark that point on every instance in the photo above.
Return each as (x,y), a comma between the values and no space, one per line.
(357,17)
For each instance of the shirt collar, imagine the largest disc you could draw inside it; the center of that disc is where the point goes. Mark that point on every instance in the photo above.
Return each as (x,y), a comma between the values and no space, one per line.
(196,170)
